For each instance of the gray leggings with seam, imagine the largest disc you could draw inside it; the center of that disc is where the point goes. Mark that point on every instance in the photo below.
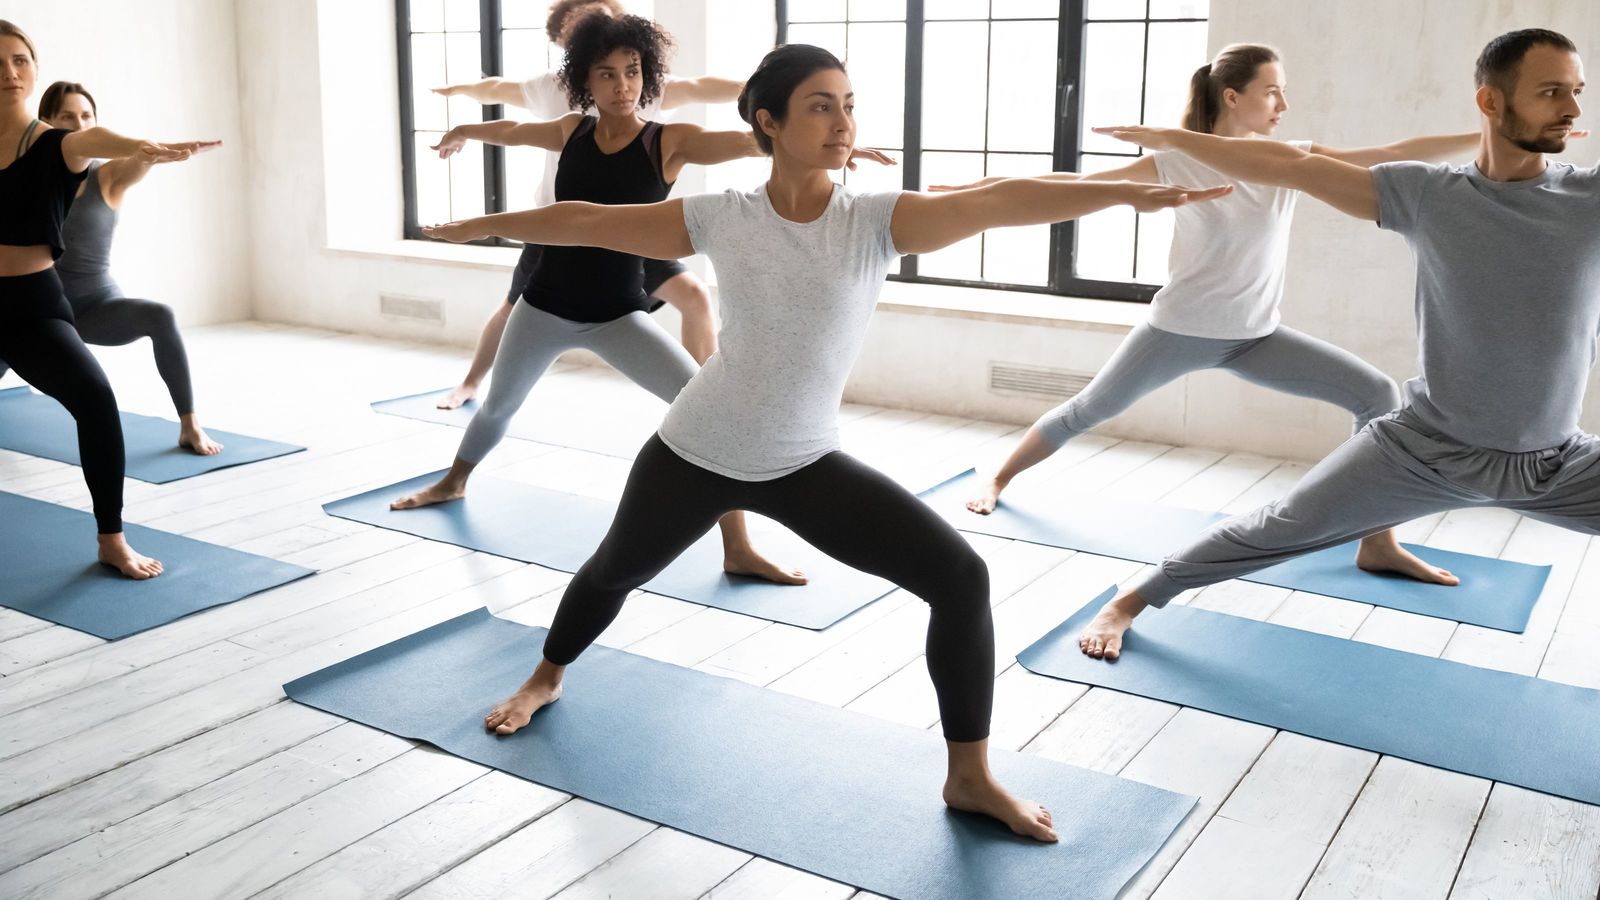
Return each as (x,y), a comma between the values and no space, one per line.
(634,345)
(1285,360)
(1397,469)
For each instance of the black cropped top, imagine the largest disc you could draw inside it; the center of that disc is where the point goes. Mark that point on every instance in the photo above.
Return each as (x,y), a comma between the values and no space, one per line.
(35,192)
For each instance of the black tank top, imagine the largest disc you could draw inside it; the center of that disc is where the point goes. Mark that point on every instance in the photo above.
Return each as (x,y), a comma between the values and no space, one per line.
(35,192)
(587,284)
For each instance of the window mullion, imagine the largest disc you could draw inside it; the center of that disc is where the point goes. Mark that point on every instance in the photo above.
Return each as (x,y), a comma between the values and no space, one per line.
(409,228)
(1069,115)
(911,174)
(489,47)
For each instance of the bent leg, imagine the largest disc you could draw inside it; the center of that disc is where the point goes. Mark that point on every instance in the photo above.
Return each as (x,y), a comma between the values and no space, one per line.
(688,295)
(532,341)
(123,321)
(1293,362)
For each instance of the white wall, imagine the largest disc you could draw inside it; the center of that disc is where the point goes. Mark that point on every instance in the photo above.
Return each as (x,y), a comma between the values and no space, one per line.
(163,70)
(318,78)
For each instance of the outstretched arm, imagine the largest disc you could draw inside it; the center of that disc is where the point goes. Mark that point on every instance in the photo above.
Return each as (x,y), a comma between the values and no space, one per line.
(1141,169)
(705,89)
(1347,188)
(651,230)
(489,91)
(924,223)
(1433,148)
(683,143)
(78,148)
(550,135)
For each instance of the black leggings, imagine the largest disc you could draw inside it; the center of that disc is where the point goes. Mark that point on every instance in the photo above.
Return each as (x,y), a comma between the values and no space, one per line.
(38,340)
(844,508)
(118,321)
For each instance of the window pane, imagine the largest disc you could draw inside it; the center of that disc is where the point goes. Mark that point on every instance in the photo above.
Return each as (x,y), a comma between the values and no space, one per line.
(466,182)
(525,53)
(877,10)
(524,171)
(1018,255)
(956,9)
(816,11)
(878,74)
(955,60)
(463,61)
(427,15)
(1180,9)
(963,260)
(1026,9)
(828,37)
(427,72)
(1176,50)
(433,180)
(1113,66)
(522,14)
(1022,87)
(461,15)
(1105,239)
(1116,9)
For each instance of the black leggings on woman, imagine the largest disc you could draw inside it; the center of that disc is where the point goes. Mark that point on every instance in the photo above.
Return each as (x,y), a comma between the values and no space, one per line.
(120,320)
(844,508)
(38,339)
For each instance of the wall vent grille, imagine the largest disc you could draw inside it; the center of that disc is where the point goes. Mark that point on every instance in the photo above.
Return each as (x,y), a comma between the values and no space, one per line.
(1036,381)
(418,308)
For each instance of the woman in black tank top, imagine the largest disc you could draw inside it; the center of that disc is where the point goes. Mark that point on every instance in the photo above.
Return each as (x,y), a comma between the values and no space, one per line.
(583,297)
(42,168)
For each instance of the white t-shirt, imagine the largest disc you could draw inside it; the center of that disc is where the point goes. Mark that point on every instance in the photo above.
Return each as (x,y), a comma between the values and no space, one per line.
(796,299)
(544,96)
(1228,256)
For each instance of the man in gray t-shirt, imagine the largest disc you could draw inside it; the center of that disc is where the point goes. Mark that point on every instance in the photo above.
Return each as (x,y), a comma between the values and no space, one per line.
(1508,309)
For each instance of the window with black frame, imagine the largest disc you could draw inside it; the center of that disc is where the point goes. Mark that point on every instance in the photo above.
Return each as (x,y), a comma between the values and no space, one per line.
(1009,87)
(445,42)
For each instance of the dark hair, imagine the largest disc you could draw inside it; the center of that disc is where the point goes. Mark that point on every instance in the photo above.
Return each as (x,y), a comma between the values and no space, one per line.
(55,96)
(1500,60)
(1234,67)
(562,9)
(774,81)
(7,28)
(596,37)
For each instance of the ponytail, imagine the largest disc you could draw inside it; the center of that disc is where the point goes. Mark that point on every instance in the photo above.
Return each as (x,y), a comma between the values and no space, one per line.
(1233,69)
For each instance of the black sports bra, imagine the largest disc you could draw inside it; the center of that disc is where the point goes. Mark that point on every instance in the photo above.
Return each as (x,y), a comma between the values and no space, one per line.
(36,191)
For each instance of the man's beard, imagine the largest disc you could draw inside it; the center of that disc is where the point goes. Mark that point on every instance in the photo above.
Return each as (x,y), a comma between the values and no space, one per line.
(1529,137)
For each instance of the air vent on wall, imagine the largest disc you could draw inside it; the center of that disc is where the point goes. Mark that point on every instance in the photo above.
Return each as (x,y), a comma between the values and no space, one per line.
(417,308)
(1036,381)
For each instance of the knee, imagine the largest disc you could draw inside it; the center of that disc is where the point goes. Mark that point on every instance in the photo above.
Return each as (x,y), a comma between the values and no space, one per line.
(1385,394)
(160,319)
(966,579)
(691,299)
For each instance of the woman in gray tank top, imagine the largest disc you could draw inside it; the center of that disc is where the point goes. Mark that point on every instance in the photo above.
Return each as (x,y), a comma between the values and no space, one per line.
(103,314)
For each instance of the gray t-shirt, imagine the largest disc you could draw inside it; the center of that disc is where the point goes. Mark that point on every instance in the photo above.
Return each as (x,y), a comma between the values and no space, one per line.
(1508,297)
(795,300)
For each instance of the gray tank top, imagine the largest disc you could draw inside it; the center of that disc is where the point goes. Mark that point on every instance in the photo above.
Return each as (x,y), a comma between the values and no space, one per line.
(85,267)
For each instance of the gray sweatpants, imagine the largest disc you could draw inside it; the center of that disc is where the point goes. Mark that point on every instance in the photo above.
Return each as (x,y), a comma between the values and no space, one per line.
(1395,470)
(1285,360)
(634,345)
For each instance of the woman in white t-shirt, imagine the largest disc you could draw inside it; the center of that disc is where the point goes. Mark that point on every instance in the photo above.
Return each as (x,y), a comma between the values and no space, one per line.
(1219,308)
(800,263)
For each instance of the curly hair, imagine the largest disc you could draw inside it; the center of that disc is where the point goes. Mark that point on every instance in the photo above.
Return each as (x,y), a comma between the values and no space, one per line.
(561,9)
(596,37)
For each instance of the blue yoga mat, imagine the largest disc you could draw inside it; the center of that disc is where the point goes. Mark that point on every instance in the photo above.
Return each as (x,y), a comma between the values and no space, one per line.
(47,555)
(838,793)
(561,531)
(607,432)
(1524,731)
(1494,593)
(39,426)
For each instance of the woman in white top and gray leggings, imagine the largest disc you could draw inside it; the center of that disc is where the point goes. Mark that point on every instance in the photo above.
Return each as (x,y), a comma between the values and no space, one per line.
(800,262)
(1219,309)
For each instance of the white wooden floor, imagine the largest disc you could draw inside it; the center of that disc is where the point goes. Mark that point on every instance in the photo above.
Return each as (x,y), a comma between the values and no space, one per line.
(169,764)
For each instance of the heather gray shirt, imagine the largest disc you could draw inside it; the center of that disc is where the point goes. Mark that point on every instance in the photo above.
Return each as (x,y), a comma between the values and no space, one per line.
(1508,297)
(795,300)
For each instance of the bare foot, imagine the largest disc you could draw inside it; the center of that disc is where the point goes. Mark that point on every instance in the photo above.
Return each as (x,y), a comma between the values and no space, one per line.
(443,492)
(515,712)
(1102,637)
(115,552)
(1383,553)
(456,398)
(987,797)
(194,439)
(748,562)
(988,498)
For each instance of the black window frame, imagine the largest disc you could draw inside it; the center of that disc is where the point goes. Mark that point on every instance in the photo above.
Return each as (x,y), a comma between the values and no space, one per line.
(1073,22)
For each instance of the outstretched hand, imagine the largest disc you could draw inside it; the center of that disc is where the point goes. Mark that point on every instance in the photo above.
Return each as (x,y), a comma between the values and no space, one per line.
(871,155)
(1154,197)
(450,144)
(449,90)
(152,153)
(455,232)
(1146,136)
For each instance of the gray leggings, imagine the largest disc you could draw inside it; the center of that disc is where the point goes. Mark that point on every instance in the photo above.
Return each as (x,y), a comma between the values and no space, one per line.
(1285,360)
(1395,470)
(634,345)
(112,323)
